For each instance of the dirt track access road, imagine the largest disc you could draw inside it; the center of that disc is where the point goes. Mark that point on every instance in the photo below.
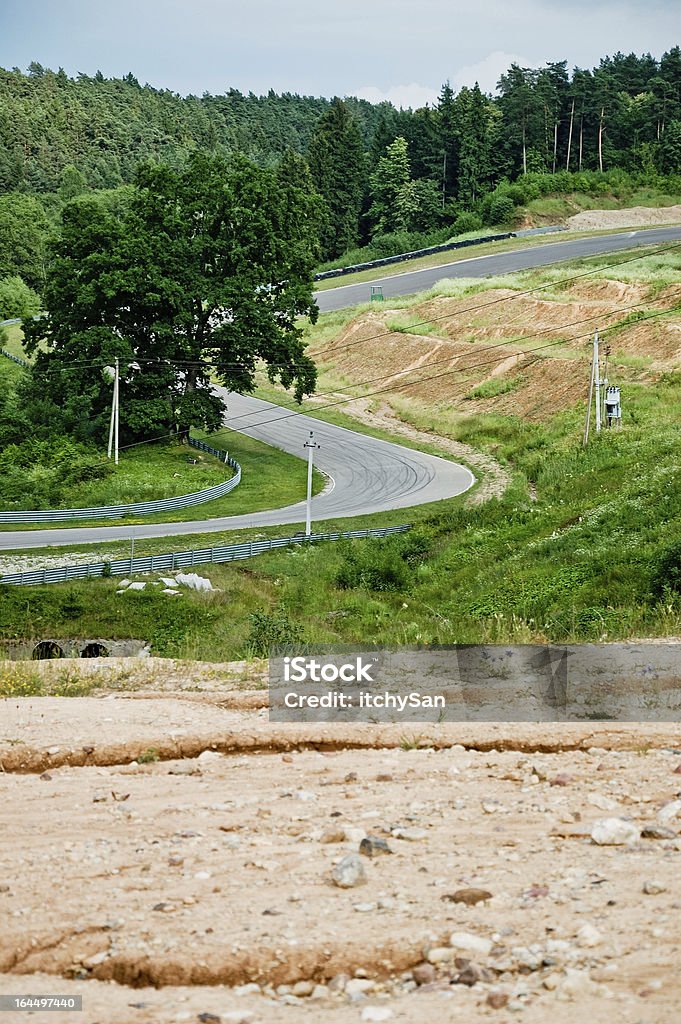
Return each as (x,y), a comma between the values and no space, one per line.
(159,852)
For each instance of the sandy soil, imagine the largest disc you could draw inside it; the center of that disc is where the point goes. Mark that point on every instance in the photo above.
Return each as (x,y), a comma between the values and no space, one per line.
(487,340)
(634,217)
(160,852)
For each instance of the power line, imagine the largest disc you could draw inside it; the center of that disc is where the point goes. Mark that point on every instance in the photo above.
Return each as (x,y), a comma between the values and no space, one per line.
(437,376)
(494,302)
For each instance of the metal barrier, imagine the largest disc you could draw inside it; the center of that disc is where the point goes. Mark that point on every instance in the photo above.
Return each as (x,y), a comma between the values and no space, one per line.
(182,559)
(15,359)
(139,507)
(415,254)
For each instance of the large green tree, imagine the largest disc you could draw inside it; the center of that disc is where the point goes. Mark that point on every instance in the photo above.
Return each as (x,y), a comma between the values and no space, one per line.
(337,163)
(204,274)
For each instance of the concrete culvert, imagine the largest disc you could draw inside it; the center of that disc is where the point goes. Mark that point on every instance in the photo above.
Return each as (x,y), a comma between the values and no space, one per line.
(45,650)
(94,650)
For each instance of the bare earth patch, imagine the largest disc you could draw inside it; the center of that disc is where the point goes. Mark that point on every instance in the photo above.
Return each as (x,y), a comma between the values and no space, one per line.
(159,853)
(634,217)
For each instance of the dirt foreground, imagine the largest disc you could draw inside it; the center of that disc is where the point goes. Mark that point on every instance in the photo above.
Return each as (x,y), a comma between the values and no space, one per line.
(171,857)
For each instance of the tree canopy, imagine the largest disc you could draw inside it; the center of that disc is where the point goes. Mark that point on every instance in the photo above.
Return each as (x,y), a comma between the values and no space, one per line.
(204,274)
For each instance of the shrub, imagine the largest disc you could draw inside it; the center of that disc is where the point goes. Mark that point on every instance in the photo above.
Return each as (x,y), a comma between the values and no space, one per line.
(466,222)
(374,565)
(667,571)
(501,209)
(269,631)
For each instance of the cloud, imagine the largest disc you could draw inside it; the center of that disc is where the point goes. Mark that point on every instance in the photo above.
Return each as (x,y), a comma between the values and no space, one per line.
(413,95)
(488,71)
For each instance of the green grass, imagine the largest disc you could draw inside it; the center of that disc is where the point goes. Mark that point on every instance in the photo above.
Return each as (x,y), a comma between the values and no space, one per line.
(11,339)
(270,478)
(496,386)
(575,565)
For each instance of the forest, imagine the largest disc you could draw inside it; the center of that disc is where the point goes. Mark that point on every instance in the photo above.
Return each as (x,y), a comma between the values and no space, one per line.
(181,234)
(379,170)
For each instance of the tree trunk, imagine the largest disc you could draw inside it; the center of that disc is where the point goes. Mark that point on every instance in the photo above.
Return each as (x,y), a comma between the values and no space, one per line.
(572,117)
(600,140)
(581,140)
(524,152)
(555,144)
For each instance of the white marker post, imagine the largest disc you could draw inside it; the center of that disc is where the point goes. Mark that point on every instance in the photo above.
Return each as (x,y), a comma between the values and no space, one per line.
(310,445)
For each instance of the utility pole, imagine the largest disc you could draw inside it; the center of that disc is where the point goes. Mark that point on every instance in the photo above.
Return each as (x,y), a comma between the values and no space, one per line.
(597,384)
(113,425)
(116,407)
(444,178)
(594,380)
(310,445)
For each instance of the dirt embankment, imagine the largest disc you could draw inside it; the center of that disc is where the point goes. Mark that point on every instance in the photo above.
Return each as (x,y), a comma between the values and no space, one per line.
(171,858)
(634,217)
(501,352)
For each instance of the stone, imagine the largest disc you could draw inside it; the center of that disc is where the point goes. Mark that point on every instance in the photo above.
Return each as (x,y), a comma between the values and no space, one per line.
(167,580)
(353,835)
(657,832)
(349,872)
(424,974)
(209,1018)
(238,1016)
(377,1013)
(338,982)
(614,832)
(364,908)
(193,581)
(652,888)
(440,955)
(251,988)
(136,586)
(100,797)
(471,943)
(562,779)
(332,835)
(469,897)
(358,986)
(588,936)
(669,812)
(497,1000)
(374,846)
(471,974)
(412,835)
(303,988)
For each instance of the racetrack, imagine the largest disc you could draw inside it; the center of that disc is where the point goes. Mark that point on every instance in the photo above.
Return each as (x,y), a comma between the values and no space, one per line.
(487,266)
(365,475)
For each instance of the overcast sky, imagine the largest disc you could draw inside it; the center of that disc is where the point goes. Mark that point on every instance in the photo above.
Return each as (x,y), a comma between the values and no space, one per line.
(401,50)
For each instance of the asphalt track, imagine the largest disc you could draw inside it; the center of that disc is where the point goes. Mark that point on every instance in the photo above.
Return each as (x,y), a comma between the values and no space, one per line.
(487,266)
(364,475)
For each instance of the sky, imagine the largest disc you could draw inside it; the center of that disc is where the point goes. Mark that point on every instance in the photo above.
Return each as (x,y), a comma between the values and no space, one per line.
(399,50)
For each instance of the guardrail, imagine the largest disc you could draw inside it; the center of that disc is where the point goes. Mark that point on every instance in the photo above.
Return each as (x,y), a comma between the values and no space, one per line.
(15,359)
(138,507)
(387,260)
(182,559)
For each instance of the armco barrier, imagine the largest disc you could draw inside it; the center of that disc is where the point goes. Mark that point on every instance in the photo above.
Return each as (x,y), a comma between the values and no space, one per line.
(139,507)
(182,559)
(15,359)
(387,260)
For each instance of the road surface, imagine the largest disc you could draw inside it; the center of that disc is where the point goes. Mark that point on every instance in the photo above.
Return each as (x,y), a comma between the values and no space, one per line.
(364,475)
(499,263)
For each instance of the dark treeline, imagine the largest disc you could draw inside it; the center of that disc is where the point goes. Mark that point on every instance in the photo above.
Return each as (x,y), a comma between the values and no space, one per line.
(389,177)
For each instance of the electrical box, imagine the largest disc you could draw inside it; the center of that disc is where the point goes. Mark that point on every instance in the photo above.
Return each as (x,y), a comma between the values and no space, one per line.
(613,408)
